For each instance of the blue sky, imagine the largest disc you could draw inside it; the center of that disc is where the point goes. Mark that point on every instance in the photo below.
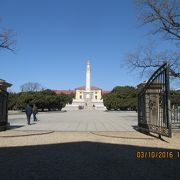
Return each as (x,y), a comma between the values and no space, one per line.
(55,38)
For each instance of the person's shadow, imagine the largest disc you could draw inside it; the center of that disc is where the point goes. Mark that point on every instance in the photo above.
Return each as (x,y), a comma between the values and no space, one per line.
(11,127)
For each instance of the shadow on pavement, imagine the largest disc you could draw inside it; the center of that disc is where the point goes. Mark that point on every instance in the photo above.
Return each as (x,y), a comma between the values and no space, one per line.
(11,127)
(86,160)
(147,133)
(33,123)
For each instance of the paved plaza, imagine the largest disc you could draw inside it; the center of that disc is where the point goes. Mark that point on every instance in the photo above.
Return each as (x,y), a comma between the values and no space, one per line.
(77,121)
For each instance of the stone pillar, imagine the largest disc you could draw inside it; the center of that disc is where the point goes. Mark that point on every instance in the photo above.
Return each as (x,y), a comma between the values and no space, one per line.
(4,104)
(88,72)
(152,109)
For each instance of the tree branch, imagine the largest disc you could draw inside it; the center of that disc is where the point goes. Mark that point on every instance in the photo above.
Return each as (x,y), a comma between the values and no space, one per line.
(163,14)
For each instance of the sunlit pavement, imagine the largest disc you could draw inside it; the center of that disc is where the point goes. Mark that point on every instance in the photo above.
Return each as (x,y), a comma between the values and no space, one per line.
(77,121)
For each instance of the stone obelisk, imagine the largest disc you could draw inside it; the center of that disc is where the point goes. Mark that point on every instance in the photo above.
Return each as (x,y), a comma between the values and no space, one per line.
(88,72)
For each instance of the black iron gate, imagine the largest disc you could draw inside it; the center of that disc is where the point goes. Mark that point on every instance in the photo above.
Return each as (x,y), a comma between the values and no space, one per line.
(153,103)
(3,109)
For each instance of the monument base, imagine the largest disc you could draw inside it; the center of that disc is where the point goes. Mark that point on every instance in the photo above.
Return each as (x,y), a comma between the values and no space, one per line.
(86,105)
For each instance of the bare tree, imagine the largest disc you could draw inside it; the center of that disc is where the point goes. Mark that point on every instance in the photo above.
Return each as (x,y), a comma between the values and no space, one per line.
(31,86)
(7,40)
(147,59)
(163,14)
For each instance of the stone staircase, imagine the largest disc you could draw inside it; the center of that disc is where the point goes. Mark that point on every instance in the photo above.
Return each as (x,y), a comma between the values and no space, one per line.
(88,106)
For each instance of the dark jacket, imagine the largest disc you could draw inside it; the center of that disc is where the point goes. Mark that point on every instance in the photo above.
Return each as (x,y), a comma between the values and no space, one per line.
(35,110)
(28,110)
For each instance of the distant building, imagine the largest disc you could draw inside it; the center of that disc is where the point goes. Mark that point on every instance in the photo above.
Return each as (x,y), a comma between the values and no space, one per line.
(74,91)
(64,91)
(94,93)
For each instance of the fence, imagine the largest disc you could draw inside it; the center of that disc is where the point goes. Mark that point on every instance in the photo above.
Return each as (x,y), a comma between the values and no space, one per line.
(175,116)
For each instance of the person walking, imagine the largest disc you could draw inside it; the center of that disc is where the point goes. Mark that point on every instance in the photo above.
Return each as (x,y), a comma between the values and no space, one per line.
(35,111)
(28,113)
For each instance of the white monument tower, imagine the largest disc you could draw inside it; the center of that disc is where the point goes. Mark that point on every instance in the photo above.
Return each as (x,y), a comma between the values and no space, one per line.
(88,73)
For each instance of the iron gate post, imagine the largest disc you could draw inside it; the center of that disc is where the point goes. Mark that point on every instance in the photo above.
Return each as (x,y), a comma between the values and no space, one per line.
(168,109)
